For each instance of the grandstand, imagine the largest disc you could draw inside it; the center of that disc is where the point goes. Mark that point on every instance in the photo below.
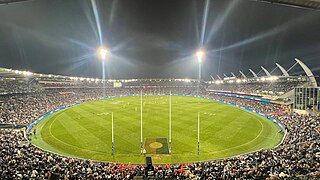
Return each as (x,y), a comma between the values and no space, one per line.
(256,124)
(26,96)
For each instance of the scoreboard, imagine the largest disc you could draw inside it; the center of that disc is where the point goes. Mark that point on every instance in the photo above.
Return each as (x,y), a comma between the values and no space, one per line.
(117,84)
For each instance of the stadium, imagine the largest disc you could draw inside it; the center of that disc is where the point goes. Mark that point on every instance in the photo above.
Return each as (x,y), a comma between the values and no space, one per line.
(120,112)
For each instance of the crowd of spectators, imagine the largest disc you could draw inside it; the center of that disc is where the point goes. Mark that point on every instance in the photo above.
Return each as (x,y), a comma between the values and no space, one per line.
(14,86)
(297,156)
(267,88)
(256,105)
(130,83)
(25,108)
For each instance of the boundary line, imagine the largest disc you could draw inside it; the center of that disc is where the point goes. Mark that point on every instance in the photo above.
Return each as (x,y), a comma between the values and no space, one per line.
(30,126)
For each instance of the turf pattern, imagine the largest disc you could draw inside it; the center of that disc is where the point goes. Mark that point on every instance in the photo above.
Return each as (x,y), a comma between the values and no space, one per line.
(84,131)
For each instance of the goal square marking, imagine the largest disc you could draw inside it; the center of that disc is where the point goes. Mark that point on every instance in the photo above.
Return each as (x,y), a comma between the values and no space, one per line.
(156,146)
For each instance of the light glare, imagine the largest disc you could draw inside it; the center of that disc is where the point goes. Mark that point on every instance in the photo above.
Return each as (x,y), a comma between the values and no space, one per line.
(200,54)
(103,52)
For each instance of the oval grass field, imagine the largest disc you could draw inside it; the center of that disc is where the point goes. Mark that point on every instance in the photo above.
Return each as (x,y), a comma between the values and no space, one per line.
(84,131)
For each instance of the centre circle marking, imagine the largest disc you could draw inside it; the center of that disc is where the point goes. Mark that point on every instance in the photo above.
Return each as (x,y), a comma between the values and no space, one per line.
(156,145)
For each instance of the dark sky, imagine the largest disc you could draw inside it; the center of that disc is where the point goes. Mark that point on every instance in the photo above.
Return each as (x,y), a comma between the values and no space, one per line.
(157,38)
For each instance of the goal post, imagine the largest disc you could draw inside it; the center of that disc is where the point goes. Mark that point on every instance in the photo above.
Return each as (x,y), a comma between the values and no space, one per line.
(198,133)
(141,138)
(170,121)
(112,134)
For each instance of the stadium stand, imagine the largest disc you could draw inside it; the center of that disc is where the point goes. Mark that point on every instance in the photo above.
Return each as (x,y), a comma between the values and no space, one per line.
(270,88)
(298,156)
(13,86)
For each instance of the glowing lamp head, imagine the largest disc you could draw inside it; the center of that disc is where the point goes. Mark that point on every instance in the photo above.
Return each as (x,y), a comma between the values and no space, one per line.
(200,54)
(103,52)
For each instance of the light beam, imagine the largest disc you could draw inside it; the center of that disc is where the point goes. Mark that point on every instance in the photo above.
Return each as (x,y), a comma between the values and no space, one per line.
(200,55)
(103,52)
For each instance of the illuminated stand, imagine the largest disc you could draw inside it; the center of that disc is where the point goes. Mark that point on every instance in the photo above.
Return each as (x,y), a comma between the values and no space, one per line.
(304,97)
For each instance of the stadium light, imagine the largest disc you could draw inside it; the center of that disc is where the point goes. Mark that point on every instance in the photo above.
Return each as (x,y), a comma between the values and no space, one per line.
(26,73)
(200,55)
(103,52)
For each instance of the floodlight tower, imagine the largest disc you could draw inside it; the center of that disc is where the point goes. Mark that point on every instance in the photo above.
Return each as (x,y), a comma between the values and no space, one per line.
(200,56)
(102,53)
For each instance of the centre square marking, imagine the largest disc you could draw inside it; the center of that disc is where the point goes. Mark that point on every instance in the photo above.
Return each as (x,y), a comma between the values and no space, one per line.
(156,146)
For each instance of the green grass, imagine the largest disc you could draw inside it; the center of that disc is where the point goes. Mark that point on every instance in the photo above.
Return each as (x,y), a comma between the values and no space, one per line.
(84,130)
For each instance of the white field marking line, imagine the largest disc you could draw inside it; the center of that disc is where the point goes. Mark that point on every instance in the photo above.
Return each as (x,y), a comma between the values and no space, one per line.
(241,144)
(105,114)
(50,127)
(83,128)
(206,153)
(246,142)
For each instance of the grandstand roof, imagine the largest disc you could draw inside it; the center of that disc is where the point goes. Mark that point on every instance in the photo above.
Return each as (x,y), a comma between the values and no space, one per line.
(5,73)
(311,4)
(10,1)
(10,73)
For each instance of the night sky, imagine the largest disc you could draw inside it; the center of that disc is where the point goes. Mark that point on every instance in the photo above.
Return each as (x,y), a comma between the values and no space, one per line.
(157,38)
